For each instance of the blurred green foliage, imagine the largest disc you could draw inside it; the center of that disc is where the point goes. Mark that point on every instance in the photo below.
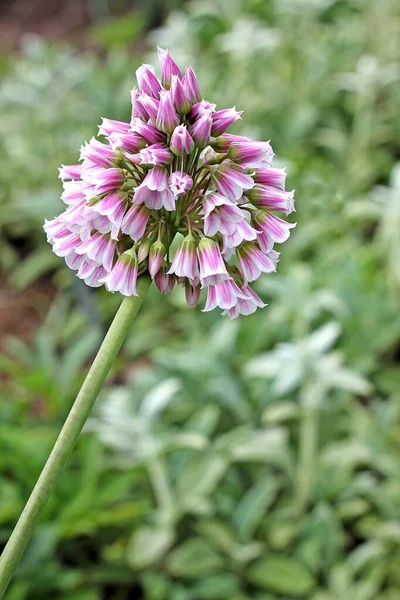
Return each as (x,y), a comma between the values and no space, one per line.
(227,460)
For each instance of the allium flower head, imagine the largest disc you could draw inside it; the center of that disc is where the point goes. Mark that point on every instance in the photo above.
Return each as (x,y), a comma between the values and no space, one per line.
(174,170)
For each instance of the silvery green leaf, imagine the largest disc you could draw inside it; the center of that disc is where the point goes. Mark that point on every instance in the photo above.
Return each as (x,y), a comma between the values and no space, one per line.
(199,478)
(322,339)
(159,397)
(279,412)
(265,445)
(147,545)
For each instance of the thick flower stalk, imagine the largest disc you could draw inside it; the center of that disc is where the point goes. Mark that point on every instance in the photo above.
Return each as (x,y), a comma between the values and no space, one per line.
(172,170)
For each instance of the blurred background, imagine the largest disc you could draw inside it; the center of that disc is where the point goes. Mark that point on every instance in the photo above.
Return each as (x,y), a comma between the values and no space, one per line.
(258,458)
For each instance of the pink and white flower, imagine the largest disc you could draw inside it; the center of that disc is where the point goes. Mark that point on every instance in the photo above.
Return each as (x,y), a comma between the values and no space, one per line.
(253,262)
(147,80)
(123,276)
(180,183)
(271,198)
(245,306)
(212,265)
(251,154)
(173,169)
(154,191)
(100,248)
(135,221)
(185,259)
(274,177)
(70,172)
(156,154)
(231,180)
(225,294)
(109,126)
(222,119)
(149,132)
(272,229)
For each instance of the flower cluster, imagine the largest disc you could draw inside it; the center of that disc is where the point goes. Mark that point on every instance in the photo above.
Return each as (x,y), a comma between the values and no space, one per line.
(173,170)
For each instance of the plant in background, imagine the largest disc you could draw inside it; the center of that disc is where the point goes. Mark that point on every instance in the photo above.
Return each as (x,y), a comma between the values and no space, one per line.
(172,170)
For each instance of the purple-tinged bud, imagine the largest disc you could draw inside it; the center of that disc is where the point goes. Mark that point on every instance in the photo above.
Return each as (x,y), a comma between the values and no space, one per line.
(150,106)
(274,177)
(97,154)
(192,294)
(156,155)
(191,86)
(138,110)
(222,119)
(144,249)
(156,257)
(212,265)
(251,153)
(123,276)
(209,157)
(163,281)
(181,141)
(180,183)
(168,67)
(167,118)
(185,259)
(109,126)
(179,97)
(201,108)
(148,131)
(70,172)
(222,142)
(147,81)
(201,131)
(129,142)
(271,198)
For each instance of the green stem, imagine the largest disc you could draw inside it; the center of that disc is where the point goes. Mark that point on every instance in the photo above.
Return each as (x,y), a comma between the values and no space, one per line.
(69,434)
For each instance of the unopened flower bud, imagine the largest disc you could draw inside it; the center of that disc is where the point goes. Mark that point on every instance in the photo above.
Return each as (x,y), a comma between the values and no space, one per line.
(201,130)
(168,67)
(144,249)
(179,97)
(181,141)
(156,257)
(192,294)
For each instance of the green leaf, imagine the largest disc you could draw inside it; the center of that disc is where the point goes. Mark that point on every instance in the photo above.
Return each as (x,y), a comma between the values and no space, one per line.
(223,585)
(147,545)
(281,574)
(195,558)
(253,506)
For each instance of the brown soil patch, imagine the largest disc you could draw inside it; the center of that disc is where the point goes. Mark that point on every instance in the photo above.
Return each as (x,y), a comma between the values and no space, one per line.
(22,311)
